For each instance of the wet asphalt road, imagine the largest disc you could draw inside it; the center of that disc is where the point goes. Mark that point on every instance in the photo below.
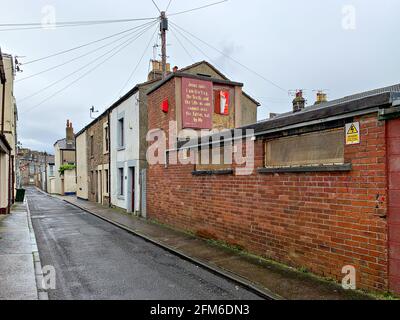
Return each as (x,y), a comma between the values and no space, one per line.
(94,259)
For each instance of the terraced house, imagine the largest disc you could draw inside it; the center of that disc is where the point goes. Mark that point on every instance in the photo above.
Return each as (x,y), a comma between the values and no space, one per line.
(64,157)
(8,133)
(93,158)
(111,151)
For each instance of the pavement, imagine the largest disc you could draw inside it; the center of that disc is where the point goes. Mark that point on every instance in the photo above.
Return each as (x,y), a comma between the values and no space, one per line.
(20,268)
(261,276)
(95,259)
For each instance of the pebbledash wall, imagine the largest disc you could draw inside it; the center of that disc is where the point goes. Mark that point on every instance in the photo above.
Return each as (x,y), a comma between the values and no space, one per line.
(321,217)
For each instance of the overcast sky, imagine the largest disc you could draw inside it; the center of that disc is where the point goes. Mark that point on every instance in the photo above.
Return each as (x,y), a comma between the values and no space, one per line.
(342,46)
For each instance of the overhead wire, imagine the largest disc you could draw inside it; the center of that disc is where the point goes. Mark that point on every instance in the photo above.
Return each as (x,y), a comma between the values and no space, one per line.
(129,41)
(182,45)
(229,57)
(140,60)
(198,8)
(198,48)
(84,45)
(39,25)
(169,3)
(155,4)
(82,76)
(81,56)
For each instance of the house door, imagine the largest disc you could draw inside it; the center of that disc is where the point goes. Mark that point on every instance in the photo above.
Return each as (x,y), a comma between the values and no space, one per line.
(96,183)
(133,188)
(393,143)
(100,187)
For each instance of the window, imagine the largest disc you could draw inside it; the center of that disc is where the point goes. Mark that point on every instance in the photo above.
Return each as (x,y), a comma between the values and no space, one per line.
(51,170)
(121,135)
(317,148)
(106,139)
(31,168)
(216,158)
(91,146)
(121,181)
(106,180)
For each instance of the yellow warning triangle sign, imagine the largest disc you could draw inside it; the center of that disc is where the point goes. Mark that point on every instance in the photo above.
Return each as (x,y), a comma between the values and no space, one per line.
(352,130)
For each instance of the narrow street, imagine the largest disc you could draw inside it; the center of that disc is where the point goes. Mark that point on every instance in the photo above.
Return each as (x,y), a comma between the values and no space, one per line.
(96,260)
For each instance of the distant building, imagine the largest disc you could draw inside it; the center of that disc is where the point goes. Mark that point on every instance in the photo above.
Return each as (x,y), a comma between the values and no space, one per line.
(64,158)
(8,133)
(32,167)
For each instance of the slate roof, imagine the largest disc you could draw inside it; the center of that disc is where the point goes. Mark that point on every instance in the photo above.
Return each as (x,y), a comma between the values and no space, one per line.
(355,102)
(62,144)
(224,77)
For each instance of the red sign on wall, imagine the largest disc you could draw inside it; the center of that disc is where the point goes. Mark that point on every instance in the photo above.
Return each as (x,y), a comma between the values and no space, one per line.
(221,98)
(197,103)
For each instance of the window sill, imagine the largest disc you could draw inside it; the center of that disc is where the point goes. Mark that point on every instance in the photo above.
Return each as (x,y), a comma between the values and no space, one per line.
(120,197)
(319,168)
(121,148)
(212,172)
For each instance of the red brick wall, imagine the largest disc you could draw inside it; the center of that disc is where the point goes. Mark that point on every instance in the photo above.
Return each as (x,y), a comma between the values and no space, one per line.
(320,221)
(393,138)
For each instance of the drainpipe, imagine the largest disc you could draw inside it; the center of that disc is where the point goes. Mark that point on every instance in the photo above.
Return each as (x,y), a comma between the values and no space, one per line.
(109,159)
(45,171)
(9,182)
(3,106)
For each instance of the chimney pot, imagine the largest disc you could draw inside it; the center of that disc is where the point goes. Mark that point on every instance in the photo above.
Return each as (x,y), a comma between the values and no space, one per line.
(299,102)
(69,132)
(321,97)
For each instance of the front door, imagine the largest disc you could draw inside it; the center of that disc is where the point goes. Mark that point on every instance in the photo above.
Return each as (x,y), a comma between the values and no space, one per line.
(100,188)
(133,189)
(393,143)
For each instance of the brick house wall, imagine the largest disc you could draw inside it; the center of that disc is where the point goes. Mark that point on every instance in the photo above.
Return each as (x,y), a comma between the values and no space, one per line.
(321,221)
(98,161)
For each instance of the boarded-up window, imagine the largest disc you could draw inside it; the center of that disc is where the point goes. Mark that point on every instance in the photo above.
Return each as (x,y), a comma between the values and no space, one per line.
(326,147)
(216,158)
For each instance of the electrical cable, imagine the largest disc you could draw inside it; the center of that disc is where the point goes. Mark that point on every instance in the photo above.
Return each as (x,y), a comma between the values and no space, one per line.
(234,60)
(169,3)
(155,4)
(183,47)
(79,57)
(137,65)
(38,25)
(87,44)
(198,48)
(194,9)
(80,77)
(84,67)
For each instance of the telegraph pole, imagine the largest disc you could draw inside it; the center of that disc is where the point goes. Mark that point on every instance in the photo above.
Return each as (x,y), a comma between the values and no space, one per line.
(164,29)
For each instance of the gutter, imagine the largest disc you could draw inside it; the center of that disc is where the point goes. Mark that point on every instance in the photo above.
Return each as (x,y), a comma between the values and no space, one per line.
(266,132)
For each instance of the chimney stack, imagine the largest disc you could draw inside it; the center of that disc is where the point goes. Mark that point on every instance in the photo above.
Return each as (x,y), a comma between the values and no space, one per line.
(156,70)
(175,69)
(299,102)
(321,97)
(70,137)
